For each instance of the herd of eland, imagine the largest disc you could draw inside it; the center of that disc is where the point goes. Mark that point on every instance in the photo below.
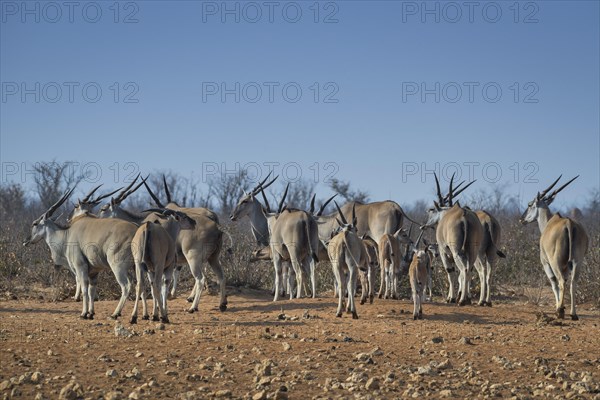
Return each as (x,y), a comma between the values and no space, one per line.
(355,239)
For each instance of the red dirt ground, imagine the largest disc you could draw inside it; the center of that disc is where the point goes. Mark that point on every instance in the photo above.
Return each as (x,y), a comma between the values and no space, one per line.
(298,349)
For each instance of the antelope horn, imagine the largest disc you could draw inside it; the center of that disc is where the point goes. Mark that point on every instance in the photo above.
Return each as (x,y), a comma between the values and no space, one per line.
(462,190)
(341,213)
(59,203)
(543,194)
(450,190)
(98,199)
(265,200)
(262,186)
(166,189)
(561,188)
(126,195)
(439,191)
(122,193)
(419,238)
(354,215)
(280,208)
(312,204)
(325,205)
(156,200)
(86,198)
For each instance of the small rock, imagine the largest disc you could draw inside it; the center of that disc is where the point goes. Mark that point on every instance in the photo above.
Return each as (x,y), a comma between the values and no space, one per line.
(111,373)
(372,384)
(171,373)
(565,338)
(160,327)
(113,395)
(121,331)
(223,393)
(445,393)
(437,339)
(5,385)
(71,391)
(376,352)
(364,357)
(465,340)
(426,370)
(444,364)
(262,395)
(138,354)
(36,377)
(286,346)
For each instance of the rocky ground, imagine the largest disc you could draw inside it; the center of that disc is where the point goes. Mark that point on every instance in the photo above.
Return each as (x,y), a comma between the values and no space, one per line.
(298,349)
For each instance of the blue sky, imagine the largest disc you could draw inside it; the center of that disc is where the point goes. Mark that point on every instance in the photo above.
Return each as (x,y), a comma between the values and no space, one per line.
(361,69)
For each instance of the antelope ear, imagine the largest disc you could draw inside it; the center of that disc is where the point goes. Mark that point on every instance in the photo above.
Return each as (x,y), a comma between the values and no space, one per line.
(538,196)
(437,206)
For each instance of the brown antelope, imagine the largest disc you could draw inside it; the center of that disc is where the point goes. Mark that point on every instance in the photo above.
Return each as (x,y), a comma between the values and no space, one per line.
(293,236)
(89,245)
(345,250)
(155,252)
(390,261)
(563,244)
(198,247)
(488,255)
(370,262)
(459,236)
(419,274)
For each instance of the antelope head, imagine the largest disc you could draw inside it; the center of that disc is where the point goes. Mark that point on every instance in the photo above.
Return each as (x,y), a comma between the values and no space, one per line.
(542,201)
(40,225)
(245,204)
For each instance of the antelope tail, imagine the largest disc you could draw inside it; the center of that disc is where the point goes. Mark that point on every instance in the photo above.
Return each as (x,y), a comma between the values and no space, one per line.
(570,235)
(313,252)
(464,244)
(145,247)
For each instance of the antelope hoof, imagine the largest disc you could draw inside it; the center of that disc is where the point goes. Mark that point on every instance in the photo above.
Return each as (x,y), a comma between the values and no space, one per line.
(171,296)
(481,304)
(363,301)
(223,307)
(83,316)
(133,320)
(90,316)
(190,299)
(462,303)
(560,313)
(339,315)
(468,301)
(155,318)
(415,317)
(488,303)
(193,310)
(371,300)
(146,317)
(164,320)
(114,316)
(574,317)
(354,315)
(380,295)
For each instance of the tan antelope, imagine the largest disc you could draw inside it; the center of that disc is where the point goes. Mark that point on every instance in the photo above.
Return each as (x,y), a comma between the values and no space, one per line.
(293,236)
(87,203)
(419,274)
(390,261)
(370,262)
(488,255)
(459,236)
(489,251)
(345,251)
(249,206)
(89,245)
(155,253)
(563,244)
(198,247)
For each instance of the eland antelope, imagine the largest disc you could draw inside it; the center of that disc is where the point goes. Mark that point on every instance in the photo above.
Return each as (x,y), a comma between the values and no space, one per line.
(155,253)
(390,261)
(198,247)
(89,245)
(563,244)
(459,236)
(345,251)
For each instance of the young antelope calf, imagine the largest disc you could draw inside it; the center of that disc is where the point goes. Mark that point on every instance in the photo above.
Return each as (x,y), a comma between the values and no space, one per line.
(418,275)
